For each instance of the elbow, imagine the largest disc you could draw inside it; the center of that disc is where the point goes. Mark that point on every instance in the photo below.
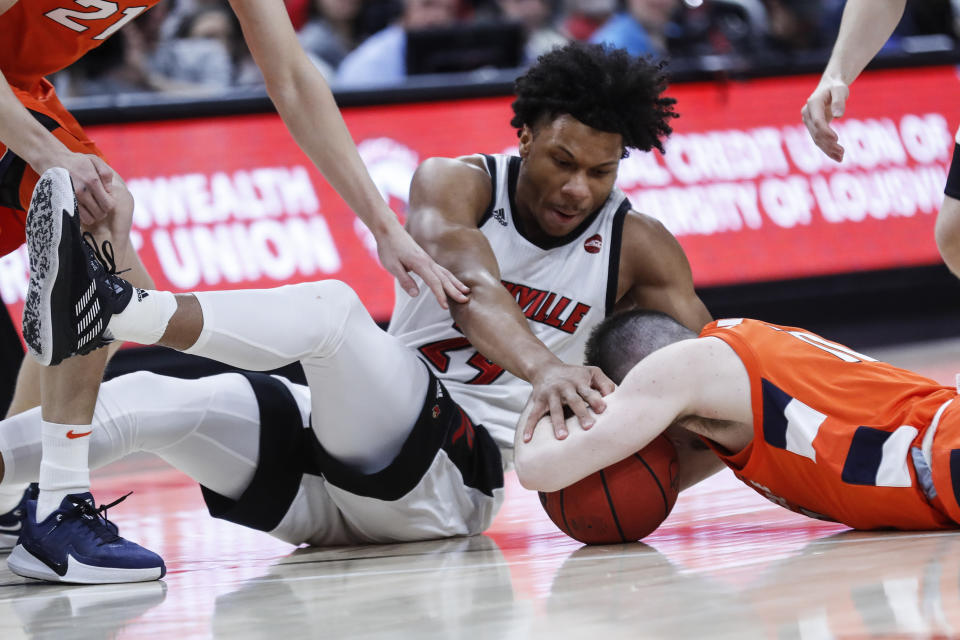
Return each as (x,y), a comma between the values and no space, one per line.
(526,471)
(531,470)
(282,92)
(284,82)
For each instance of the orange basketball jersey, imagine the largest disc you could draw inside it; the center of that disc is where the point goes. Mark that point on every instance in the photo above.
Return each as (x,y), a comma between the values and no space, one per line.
(40,37)
(837,434)
(37,38)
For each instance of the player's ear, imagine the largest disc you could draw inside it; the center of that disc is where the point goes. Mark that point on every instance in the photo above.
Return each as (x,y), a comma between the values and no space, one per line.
(526,139)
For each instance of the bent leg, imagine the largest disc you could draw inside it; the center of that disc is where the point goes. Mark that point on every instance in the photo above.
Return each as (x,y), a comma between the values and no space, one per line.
(367,387)
(68,392)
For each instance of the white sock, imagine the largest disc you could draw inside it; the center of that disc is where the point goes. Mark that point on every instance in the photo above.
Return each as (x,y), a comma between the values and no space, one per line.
(145,319)
(10,496)
(64,466)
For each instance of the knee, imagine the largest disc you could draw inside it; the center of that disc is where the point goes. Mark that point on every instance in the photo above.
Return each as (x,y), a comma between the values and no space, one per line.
(119,221)
(334,296)
(333,307)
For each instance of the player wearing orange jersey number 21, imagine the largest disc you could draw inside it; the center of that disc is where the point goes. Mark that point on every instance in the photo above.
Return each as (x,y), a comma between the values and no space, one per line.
(865,27)
(38,135)
(404,435)
(808,423)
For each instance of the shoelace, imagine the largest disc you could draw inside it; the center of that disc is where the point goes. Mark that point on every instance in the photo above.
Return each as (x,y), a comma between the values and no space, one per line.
(106,258)
(106,530)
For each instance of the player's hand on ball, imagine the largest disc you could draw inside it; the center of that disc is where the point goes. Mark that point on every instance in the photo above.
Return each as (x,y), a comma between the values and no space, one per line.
(400,254)
(563,385)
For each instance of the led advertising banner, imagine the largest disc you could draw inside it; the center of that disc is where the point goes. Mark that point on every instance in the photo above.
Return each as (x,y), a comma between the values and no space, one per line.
(232,202)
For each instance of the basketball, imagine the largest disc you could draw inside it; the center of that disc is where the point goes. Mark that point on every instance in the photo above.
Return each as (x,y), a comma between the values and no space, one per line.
(624,502)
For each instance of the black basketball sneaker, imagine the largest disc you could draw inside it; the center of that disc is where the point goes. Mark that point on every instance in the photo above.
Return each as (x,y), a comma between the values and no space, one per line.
(74,289)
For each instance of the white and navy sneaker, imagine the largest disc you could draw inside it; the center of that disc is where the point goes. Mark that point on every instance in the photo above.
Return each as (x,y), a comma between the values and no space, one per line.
(12,521)
(73,290)
(76,543)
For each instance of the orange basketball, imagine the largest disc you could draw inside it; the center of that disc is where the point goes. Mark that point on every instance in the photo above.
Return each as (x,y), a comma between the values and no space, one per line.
(622,503)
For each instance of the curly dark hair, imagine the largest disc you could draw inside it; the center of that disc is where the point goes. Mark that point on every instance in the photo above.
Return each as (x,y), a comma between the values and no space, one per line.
(602,87)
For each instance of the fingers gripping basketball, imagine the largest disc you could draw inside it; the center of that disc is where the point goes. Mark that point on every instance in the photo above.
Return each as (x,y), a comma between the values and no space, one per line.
(622,503)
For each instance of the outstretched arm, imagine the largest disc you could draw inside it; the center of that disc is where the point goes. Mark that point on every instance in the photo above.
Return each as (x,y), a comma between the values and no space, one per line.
(701,377)
(305,103)
(865,27)
(447,199)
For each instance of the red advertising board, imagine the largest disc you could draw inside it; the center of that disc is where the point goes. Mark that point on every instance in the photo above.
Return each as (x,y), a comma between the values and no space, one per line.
(231,202)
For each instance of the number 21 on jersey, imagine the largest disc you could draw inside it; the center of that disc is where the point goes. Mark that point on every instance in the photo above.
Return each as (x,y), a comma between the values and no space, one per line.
(103,16)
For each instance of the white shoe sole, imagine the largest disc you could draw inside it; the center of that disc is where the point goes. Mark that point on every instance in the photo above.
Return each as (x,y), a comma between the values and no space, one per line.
(52,195)
(24,564)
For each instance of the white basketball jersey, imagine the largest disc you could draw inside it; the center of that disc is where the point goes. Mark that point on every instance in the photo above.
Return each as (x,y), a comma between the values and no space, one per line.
(564,290)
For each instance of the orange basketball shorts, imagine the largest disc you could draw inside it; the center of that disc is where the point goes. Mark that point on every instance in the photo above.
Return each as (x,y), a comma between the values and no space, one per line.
(17,178)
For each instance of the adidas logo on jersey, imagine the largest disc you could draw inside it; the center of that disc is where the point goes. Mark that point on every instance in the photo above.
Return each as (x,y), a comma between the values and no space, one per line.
(500,216)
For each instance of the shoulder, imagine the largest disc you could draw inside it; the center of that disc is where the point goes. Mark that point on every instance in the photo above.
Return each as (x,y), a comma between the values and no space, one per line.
(458,189)
(452,176)
(644,228)
(473,166)
(651,252)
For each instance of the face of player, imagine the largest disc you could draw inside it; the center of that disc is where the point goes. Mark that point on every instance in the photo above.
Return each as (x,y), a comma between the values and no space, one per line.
(568,171)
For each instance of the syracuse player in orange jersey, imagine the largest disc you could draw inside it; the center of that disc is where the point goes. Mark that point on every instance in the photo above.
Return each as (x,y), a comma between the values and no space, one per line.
(808,423)
(39,137)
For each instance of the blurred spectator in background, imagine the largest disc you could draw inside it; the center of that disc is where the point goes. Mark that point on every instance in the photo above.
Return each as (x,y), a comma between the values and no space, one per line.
(583,17)
(202,51)
(331,30)
(641,28)
(537,19)
(196,46)
(138,59)
(720,27)
(381,59)
(794,25)
(299,11)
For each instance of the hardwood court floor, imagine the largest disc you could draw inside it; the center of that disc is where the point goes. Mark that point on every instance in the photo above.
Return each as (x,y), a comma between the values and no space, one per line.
(726,563)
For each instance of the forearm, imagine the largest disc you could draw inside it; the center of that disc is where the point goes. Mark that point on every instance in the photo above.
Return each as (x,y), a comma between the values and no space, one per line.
(864,29)
(23,134)
(546,463)
(493,323)
(307,107)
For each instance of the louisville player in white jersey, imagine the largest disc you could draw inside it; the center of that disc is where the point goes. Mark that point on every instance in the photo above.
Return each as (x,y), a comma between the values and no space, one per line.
(404,435)
(865,27)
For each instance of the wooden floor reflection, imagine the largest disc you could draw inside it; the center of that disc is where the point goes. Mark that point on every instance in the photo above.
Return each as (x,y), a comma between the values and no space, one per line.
(725,564)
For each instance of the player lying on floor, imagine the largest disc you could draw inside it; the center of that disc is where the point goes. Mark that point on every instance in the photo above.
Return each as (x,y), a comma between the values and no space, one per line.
(809,424)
